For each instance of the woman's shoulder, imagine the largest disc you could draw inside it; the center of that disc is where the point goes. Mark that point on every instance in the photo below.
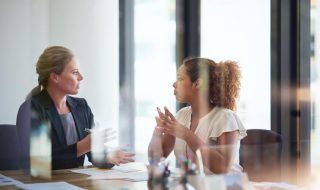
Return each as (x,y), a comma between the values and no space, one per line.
(221,115)
(226,120)
(184,114)
(76,101)
(223,112)
(184,110)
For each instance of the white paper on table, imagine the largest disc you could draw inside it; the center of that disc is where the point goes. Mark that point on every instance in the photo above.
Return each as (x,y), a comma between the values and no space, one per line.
(135,171)
(124,168)
(274,185)
(131,176)
(49,186)
(4,181)
(90,171)
(130,167)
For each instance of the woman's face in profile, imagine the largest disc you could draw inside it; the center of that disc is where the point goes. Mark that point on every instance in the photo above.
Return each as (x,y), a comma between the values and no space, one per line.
(182,86)
(69,79)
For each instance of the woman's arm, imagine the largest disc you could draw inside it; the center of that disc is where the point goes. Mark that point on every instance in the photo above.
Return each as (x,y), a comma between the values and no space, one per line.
(161,145)
(84,145)
(218,158)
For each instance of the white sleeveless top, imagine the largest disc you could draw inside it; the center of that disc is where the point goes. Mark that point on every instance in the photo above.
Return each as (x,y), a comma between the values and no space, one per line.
(210,127)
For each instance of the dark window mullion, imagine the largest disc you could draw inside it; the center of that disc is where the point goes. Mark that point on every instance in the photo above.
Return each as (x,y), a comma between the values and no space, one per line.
(290,55)
(126,73)
(188,31)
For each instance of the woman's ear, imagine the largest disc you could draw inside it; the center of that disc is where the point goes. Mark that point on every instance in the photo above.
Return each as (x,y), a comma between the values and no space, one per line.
(198,83)
(201,85)
(54,77)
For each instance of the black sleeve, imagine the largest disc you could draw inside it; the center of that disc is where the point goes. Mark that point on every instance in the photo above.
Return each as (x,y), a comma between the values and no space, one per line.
(64,157)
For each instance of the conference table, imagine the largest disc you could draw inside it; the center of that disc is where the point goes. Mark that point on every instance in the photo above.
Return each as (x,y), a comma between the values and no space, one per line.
(83,181)
(79,180)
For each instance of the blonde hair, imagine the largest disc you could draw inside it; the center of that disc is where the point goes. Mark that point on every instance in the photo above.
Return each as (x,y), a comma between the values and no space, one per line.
(223,80)
(53,59)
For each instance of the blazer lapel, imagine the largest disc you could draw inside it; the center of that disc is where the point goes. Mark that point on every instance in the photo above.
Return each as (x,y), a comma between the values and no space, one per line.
(53,115)
(78,117)
(57,125)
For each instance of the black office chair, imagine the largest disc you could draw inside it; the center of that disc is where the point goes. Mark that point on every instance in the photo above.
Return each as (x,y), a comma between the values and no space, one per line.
(9,147)
(23,128)
(260,155)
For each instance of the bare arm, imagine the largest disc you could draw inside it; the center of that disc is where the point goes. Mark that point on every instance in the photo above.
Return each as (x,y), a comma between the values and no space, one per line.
(84,145)
(168,144)
(161,145)
(217,159)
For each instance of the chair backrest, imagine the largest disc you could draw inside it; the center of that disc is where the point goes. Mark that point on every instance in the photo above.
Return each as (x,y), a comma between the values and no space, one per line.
(9,147)
(23,128)
(260,155)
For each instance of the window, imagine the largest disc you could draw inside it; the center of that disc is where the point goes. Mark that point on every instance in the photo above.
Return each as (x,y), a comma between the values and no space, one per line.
(315,90)
(240,31)
(155,66)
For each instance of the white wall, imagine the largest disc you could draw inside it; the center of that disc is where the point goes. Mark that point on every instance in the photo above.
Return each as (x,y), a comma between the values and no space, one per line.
(16,70)
(89,28)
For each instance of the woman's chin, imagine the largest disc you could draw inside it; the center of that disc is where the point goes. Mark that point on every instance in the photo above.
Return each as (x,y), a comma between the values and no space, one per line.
(75,92)
(179,100)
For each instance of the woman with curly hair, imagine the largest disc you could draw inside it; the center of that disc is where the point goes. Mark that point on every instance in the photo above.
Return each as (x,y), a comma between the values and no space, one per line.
(209,123)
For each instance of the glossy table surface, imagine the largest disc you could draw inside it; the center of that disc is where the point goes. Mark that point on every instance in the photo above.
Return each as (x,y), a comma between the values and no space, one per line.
(80,180)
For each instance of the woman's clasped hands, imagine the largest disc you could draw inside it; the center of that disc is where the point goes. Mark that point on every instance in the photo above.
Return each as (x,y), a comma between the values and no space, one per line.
(167,124)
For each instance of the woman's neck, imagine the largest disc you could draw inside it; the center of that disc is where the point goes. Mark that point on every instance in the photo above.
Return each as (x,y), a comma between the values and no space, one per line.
(200,109)
(59,99)
(200,105)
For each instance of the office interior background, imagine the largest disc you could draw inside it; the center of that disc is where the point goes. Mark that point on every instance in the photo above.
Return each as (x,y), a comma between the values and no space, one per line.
(128,52)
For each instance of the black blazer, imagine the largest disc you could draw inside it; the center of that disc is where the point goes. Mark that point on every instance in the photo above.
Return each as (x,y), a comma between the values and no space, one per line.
(63,155)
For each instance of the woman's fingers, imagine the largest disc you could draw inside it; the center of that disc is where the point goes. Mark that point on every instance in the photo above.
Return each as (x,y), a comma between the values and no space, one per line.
(108,139)
(169,114)
(161,122)
(128,159)
(161,115)
(158,129)
(158,120)
(128,154)
(109,132)
(125,157)
(120,157)
(124,161)
(167,130)
(164,121)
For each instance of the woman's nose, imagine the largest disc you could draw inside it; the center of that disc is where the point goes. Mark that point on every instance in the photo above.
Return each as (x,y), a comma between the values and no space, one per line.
(174,84)
(80,77)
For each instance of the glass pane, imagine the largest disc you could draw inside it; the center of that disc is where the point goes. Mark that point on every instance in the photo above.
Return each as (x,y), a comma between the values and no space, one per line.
(229,31)
(315,92)
(155,67)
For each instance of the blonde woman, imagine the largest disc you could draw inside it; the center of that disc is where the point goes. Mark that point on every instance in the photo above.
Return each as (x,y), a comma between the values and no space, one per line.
(59,76)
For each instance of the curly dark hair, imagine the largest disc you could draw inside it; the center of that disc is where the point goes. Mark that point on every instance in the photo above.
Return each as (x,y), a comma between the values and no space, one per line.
(223,79)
